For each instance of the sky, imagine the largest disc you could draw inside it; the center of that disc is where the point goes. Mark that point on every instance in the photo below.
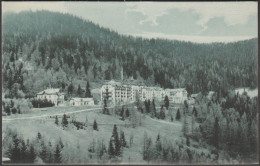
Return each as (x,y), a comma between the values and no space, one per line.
(201,22)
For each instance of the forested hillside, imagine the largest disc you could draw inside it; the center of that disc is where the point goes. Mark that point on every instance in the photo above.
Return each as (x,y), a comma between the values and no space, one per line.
(42,49)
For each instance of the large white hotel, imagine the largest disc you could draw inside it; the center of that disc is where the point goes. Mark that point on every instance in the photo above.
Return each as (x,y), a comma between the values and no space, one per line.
(118,92)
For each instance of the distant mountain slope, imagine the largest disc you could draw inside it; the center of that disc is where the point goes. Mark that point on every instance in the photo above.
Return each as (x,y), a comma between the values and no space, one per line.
(72,50)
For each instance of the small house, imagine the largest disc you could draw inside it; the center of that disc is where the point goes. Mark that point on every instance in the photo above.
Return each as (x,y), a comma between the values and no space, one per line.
(81,101)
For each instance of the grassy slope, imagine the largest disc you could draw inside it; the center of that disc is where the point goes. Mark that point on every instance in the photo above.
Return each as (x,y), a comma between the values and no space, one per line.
(72,136)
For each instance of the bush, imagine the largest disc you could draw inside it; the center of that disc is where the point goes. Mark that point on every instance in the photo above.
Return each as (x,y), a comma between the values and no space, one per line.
(42,103)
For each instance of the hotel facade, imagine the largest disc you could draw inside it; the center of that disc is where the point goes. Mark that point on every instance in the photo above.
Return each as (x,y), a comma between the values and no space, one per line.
(118,92)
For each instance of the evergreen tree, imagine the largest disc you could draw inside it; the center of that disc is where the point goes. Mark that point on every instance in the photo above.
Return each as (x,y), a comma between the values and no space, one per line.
(56,120)
(127,114)
(14,153)
(195,112)
(166,102)
(216,130)
(186,104)
(95,127)
(105,109)
(64,121)
(122,113)
(57,155)
(79,91)
(23,152)
(88,93)
(185,125)
(187,141)
(122,139)
(32,155)
(43,153)
(111,150)
(70,89)
(61,143)
(116,141)
(162,113)
(39,136)
(178,115)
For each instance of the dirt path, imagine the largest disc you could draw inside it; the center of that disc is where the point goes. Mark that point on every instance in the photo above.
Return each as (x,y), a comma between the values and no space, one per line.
(56,114)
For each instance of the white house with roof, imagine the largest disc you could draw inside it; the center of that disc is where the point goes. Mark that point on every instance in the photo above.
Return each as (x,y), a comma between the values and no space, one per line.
(81,101)
(53,95)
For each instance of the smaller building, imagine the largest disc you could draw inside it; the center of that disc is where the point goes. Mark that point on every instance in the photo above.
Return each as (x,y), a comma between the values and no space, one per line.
(81,101)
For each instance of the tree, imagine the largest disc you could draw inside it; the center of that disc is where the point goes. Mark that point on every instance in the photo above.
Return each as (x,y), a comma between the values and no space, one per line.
(195,112)
(166,102)
(39,136)
(79,91)
(95,127)
(171,118)
(70,89)
(56,120)
(122,113)
(32,155)
(116,141)
(153,109)
(185,125)
(187,141)
(64,121)
(216,130)
(43,153)
(127,114)
(178,115)
(162,113)
(88,93)
(105,109)
(186,104)
(57,155)
(122,139)
(111,150)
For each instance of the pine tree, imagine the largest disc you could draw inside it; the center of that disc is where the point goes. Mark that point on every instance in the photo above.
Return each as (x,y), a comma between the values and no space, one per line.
(57,155)
(127,114)
(70,89)
(166,102)
(95,127)
(88,93)
(105,109)
(178,115)
(56,120)
(64,121)
(32,155)
(23,152)
(39,136)
(43,153)
(216,130)
(61,143)
(122,139)
(122,113)
(162,113)
(187,141)
(79,91)
(185,125)
(14,153)
(111,150)
(116,141)
(195,112)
